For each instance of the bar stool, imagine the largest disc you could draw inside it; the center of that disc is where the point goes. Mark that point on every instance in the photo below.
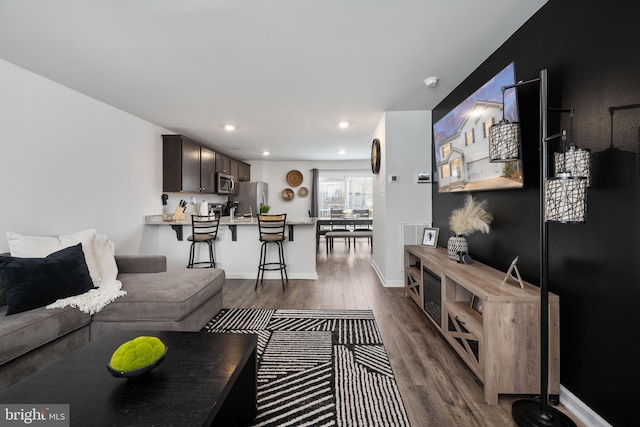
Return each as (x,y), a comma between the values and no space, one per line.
(204,229)
(271,230)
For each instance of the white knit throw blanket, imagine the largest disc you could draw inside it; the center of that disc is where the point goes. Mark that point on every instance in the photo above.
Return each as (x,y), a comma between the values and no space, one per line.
(95,300)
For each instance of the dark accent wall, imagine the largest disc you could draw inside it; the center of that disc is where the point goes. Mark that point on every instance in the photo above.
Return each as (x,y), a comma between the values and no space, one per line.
(592,52)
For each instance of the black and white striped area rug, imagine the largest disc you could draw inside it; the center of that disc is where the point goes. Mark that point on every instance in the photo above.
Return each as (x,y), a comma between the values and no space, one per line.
(318,367)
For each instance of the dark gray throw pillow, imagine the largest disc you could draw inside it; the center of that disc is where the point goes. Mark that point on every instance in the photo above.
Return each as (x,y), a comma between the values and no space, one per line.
(35,282)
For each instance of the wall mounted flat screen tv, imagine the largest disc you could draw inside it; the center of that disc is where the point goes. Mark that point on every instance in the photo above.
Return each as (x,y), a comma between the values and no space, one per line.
(461,139)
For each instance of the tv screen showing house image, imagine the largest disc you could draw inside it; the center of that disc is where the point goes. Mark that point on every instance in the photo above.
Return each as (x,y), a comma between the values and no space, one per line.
(461,139)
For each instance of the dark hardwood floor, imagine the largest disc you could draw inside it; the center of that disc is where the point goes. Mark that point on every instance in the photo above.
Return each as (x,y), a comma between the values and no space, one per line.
(436,386)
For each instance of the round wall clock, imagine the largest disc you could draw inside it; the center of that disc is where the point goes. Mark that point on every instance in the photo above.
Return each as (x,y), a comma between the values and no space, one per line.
(375,156)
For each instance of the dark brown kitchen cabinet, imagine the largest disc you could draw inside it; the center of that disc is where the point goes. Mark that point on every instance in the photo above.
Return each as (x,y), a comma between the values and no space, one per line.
(207,170)
(244,171)
(223,164)
(187,166)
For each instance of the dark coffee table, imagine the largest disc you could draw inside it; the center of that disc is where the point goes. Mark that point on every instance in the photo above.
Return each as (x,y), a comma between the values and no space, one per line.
(205,378)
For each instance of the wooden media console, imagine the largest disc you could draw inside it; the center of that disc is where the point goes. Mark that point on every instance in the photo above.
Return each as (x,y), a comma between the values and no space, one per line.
(495,330)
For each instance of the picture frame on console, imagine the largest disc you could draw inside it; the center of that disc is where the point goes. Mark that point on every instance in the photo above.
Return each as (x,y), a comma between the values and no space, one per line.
(430,237)
(477,306)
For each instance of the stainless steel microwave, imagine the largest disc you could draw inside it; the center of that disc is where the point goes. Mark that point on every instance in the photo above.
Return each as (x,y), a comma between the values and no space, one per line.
(225,184)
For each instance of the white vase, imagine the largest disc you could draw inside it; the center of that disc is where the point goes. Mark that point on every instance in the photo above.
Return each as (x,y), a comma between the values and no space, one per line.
(455,246)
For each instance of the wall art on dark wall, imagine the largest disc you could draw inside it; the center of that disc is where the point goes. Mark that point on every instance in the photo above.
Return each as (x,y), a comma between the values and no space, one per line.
(461,139)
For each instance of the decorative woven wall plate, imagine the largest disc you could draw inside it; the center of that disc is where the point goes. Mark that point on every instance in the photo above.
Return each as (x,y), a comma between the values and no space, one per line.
(287,194)
(294,178)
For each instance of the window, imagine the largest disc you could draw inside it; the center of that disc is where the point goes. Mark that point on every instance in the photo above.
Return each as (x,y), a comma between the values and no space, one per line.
(344,190)
(446,149)
(469,137)
(445,171)
(487,126)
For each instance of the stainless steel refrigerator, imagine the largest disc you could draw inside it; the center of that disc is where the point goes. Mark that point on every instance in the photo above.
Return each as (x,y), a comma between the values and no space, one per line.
(250,196)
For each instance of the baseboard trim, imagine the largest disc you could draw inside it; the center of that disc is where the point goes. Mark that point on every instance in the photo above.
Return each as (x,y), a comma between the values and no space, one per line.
(393,284)
(378,273)
(386,283)
(581,411)
(272,276)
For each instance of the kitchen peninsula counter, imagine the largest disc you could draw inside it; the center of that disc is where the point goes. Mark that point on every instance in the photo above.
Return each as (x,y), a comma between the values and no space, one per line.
(237,248)
(225,220)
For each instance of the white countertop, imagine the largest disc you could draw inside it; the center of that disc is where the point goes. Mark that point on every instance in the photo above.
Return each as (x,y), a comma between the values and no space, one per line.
(225,220)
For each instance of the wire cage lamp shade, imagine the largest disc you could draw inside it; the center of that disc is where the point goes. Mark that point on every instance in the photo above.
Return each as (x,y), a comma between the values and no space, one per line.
(575,160)
(566,198)
(566,192)
(504,141)
(572,160)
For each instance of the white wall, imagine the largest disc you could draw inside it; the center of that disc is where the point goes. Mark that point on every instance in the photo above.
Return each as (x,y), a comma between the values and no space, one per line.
(69,162)
(405,139)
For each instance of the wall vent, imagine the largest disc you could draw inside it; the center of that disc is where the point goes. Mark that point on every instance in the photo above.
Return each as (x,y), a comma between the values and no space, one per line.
(412,233)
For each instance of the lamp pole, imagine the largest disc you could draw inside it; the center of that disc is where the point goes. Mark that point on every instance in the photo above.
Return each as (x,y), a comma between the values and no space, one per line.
(530,413)
(544,250)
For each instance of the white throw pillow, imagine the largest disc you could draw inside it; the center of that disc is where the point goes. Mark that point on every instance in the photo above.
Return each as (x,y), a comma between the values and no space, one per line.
(39,247)
(33,246)
(105,254)
(87,238)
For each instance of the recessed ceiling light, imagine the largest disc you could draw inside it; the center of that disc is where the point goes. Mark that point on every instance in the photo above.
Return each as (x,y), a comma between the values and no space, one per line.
(229,128)
(431,81)
(265,153)
(343,125)
(342,152)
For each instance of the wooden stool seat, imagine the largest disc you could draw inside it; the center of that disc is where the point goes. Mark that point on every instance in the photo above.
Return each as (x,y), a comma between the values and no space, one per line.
(201,238)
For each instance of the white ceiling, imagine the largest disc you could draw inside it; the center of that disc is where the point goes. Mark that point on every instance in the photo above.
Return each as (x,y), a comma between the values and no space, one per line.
(284,72)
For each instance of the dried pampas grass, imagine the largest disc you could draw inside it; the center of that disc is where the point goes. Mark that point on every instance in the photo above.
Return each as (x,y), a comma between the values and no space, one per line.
(473,216)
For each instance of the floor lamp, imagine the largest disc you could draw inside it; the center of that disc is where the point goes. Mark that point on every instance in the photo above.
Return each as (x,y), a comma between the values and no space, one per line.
(562,199)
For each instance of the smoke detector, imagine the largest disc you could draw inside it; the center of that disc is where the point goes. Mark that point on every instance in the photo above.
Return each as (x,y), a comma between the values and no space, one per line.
(431,81)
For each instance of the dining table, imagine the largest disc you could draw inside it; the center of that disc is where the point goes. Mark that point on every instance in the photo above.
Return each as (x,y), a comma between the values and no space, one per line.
(328,224)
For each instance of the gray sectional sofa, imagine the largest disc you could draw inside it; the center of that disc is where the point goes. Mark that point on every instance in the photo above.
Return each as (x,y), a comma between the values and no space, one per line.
(156,299)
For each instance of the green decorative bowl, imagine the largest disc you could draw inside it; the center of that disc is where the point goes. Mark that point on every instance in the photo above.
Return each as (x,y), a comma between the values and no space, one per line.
(133,373)
(136,357)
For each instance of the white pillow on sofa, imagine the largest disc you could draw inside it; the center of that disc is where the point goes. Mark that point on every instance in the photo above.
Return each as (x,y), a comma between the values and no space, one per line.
(105,254)
(39,247)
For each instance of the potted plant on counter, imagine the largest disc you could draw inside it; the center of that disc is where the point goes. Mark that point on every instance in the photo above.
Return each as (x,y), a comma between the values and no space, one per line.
(264,209)
(472,216)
